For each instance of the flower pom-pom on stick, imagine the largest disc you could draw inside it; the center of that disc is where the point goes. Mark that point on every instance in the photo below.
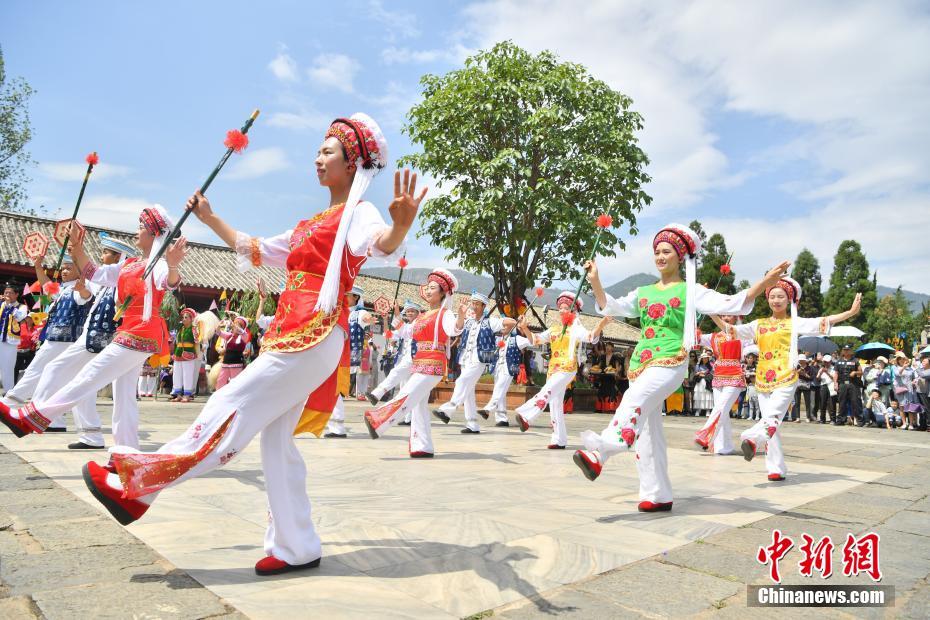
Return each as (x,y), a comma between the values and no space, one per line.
(567,319)
(540,291)
(51,288)
(501,344)
(603,222)
(402,264)
(92,160)
(388,334)
(236,140)
(725,269)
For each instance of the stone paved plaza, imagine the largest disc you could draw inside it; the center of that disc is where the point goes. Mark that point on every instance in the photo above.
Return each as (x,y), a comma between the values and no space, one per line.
(495,525)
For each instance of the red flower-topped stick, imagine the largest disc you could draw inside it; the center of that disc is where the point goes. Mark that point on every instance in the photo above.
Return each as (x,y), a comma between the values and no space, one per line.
(92,160)
(236,140)
(402,263)
(604,221)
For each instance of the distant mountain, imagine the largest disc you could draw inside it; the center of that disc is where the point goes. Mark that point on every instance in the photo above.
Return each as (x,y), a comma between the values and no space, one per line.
(627,284)
(916,300)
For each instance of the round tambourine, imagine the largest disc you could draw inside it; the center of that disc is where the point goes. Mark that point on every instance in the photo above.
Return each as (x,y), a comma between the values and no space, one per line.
(35,244)
(382,305)
(61,230)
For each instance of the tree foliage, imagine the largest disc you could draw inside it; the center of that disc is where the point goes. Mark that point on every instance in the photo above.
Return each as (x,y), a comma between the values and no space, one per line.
(702,235)
(531,151)
(806,270)
(892,321)
(15,133)
(850,275)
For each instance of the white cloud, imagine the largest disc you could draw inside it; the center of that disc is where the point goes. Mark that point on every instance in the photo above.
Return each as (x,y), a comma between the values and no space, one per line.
(855,78)
(398,25)
(60,171)
(258,163)
(284,67)
(334,71)
(300,121)
(392,55)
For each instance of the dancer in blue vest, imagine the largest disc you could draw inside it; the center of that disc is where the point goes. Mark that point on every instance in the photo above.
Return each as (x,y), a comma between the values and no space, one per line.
(12,313)
(97,333)
(504,370)
(477,349)
(65,323)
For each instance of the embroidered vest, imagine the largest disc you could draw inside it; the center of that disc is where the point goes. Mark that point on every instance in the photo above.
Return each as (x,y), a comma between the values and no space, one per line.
(9,327)
(662,317)
(728,371)
(430,359)
(296,325)
(774,339)
(66,318)
(134,333)
(101,327)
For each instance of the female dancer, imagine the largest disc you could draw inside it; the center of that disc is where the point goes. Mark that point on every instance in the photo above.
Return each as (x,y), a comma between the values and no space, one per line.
(143,331)
(301,350)
(235,341)
(728,383)
(667,311)
(776,374)
(565,338)
(431,332)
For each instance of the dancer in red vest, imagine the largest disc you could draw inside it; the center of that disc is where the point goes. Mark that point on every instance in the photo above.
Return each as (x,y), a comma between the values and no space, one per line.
(143,332)
(432,331)
(302,350)
(728,383)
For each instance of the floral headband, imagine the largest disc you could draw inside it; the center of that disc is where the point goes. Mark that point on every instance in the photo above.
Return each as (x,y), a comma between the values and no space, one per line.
(442,280)
(153,222)
(356,139)
(679,240)
(786,286)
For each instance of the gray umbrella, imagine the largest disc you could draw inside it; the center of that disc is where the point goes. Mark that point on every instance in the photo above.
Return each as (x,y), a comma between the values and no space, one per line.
(816,344)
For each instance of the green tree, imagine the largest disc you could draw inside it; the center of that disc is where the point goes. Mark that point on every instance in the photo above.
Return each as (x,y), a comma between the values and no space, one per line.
(715,255)
(15,132)
(761,307)
(532,150)
(892,319)
(806,270)
(850,276)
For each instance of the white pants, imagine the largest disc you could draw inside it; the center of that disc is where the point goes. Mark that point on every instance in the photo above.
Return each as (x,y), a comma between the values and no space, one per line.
(26,387)
(147,384)
(552,392)
(398,376)
(184,378)
(337,420)
(361,383)
(641,410)
(498,401)
(718,422)
(416,392)
(774,405)
(8,364)
(64,369)
(112,364)
(268,397)
(464,394)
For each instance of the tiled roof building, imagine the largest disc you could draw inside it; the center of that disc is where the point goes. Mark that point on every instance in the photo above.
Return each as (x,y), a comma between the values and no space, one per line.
(209,269)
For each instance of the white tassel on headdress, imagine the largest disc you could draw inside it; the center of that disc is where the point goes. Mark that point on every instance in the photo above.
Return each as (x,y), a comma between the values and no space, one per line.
(690,335)
(329,291)
(793,352)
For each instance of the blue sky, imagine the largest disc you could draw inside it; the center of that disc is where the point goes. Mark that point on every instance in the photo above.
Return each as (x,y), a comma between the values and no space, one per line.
(781,125)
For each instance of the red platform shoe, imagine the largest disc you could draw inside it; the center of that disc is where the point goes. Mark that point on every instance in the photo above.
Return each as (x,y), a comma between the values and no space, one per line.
(421,455)
(19,427)
(271,565)
(123,510)
(588,463)
(776,477)
(647,506)
(524,425)
(749,449)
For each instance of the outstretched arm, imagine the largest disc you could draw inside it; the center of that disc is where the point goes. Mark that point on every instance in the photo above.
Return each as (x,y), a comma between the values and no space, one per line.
(403,210)
(845,316)
(769,279)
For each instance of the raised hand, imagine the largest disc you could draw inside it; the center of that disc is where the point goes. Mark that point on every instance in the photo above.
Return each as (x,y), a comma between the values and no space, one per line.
(403,208)
(856,305)
(176,252)
(775,273)
(199,204)
(592,275)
